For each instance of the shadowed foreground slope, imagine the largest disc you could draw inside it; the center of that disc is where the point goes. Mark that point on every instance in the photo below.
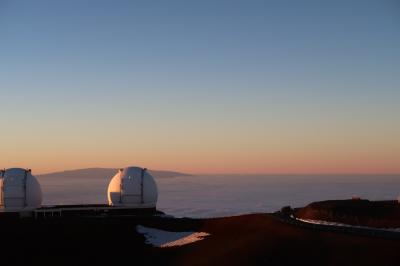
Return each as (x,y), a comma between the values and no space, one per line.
(256,239)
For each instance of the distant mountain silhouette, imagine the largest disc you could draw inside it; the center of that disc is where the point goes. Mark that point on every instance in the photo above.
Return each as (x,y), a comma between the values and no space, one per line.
(101,173)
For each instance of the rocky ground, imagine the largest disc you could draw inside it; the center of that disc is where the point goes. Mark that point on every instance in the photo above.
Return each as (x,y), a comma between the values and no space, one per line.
(255,239)
(384,214)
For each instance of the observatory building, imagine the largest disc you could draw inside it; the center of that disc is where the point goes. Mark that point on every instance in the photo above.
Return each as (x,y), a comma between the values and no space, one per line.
(131,192)
(19,190)
(133,187)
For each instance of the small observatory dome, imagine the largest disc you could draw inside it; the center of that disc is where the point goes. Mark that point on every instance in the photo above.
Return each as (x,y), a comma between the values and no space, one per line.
(133,187)
(19,190)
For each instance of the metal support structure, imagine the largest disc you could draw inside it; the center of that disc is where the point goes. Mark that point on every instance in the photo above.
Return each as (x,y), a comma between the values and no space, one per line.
(120,186)
(25,180)
(2,172)
(141,185)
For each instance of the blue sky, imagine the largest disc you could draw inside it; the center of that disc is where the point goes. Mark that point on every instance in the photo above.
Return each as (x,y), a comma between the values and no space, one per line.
(241,73)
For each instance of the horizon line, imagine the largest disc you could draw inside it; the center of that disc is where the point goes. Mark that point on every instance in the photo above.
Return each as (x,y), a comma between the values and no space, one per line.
(236,173)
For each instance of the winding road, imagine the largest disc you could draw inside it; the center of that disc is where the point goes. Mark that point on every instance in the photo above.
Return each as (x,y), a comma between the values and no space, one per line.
(348,229)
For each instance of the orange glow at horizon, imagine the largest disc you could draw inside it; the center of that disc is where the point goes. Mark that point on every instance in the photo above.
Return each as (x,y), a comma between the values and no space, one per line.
(226,149)
(244,162)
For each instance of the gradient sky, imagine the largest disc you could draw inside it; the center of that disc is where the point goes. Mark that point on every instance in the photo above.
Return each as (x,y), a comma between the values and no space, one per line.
(201,86)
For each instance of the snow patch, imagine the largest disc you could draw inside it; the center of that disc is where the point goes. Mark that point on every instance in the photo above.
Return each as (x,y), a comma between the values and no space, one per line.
(163,239)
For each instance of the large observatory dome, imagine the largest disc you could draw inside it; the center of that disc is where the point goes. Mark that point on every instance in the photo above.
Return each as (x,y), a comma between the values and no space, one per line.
(19,190)
(133,187)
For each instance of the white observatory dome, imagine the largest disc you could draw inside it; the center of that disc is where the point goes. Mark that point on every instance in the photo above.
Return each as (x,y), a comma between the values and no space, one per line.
(133,187)
(19,190)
